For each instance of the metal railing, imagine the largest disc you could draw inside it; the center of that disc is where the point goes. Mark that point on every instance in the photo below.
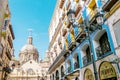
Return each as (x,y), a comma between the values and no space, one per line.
(92,13)
(78,31)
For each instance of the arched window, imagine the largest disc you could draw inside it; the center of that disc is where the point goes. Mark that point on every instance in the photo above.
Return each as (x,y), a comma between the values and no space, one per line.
(30,72)
(53,76)
(62,71)
(76,61)
(102,44)
(88,54)
(76,78)
(57,75)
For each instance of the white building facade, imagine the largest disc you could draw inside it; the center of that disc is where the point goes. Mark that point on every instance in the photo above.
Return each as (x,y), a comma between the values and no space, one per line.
(70,47)
(28,67)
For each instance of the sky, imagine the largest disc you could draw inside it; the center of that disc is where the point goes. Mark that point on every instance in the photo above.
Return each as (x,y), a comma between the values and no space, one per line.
(35,15)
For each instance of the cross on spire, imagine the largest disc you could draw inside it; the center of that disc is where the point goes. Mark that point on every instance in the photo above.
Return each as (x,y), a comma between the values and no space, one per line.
(29,40)
(30,32)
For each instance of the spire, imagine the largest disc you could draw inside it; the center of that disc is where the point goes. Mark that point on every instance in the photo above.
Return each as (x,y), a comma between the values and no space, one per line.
(29,41)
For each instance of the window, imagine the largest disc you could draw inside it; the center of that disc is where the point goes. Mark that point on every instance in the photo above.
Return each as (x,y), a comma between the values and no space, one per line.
(30,72)
(57,75)
(76,62)
(53,76)
(88,54)
(62,71)
(6,23)
(104,44)
(1,50)
(117,32)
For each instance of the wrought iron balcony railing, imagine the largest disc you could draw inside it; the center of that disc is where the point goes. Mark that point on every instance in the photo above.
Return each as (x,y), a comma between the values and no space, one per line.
(79,34)
(92,16)
(72,44)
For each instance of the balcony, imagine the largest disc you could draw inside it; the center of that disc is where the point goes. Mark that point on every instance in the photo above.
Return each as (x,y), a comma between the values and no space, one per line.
(59,41)
(10,42)
(64,31)
(87,60)
(76,65)
(79,34)
(65,51)
(3,33)
(92,17)
(68,24)
(109,4)
(63,16)
(72,44)
(58,60)
(8,54)
(68,6)
(78,8)
(61,3)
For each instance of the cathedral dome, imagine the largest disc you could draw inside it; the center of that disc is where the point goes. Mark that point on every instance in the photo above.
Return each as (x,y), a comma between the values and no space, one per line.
(29,48)
(28,52)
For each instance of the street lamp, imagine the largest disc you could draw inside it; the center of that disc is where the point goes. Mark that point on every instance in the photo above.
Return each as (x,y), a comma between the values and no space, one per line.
(87,25)
(71,16)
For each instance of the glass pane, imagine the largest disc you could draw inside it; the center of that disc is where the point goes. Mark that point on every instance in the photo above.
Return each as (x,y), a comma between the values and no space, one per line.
(117,32)
(104,43)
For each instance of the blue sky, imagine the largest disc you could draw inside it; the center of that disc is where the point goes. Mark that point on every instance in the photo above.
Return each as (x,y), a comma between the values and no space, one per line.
(35,15)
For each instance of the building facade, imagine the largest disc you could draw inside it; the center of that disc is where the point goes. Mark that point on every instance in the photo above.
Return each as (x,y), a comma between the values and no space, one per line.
(74,54)
(3,6)
(6,43)
(28,67)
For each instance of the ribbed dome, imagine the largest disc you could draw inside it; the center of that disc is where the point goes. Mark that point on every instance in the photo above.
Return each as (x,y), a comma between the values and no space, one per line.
(28,48)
